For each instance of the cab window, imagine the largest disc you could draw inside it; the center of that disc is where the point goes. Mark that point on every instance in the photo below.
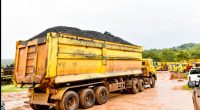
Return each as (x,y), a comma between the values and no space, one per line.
(195,71)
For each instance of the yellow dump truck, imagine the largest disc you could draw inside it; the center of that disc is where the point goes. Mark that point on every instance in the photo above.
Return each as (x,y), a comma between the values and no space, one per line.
(162,66)
(158,66)
(191,63)
(148,71)
(68,67)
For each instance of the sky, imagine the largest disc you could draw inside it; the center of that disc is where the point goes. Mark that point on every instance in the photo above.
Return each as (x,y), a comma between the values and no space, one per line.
(149,23)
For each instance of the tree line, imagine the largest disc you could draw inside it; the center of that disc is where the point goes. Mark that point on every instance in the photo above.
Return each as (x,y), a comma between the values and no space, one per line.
(175,54)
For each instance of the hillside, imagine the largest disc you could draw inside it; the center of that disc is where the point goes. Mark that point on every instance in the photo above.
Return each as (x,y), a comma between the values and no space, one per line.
(186,46)
(179,53)
(5,62)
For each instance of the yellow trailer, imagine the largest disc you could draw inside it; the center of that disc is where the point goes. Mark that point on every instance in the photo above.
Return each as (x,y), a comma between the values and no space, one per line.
(75,65)
(62,58)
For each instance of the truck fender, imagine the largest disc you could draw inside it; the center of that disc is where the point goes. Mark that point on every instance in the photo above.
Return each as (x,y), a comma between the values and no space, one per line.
(59,94)
(155,76)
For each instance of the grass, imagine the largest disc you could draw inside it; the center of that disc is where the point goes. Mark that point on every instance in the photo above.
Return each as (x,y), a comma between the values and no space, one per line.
(11,88)
(186,87)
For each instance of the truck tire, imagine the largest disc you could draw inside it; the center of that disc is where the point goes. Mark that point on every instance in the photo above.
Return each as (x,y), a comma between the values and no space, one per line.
(69,101)
(101,95)
(152,84)
(141,85)
(135,87)
(39,107)
(87,98)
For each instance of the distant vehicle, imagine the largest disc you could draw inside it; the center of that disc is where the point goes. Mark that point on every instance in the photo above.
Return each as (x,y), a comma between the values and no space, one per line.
(6,74)
(196,95)
(161,66)
(194,76)
(191,63)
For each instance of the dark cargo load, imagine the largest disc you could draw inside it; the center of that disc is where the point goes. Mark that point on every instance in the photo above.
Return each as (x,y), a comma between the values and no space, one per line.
(83,33)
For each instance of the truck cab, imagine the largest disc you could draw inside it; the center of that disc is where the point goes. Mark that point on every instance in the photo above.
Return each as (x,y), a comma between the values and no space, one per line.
(148,68)
(158,66)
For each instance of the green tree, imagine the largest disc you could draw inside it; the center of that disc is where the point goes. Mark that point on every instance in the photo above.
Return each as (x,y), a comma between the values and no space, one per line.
(179,53)
(183,55)
(153,53)
(168,55)
(195,52)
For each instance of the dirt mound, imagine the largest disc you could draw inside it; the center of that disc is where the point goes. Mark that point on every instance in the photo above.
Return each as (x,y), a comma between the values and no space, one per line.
(83,33)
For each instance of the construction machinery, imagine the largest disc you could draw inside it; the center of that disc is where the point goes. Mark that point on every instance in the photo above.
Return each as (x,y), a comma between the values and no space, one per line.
(191,63)
(6,74)
(158,66)
(68,67)
(162,66)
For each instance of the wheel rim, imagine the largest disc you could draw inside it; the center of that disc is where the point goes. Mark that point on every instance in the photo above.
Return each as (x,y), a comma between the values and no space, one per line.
(137,85)
(71,102)
(89,98)
(103,96)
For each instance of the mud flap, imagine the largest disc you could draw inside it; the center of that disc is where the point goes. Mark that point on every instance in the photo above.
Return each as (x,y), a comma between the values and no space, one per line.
(39,98)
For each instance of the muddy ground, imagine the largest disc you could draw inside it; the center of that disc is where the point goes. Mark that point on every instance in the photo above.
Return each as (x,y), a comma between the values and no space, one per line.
(167,95)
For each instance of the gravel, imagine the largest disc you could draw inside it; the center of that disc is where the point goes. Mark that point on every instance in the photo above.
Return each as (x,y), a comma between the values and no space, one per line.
(83,33)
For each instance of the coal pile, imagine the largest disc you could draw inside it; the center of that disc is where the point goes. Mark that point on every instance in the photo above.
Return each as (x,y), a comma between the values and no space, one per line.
(83,33)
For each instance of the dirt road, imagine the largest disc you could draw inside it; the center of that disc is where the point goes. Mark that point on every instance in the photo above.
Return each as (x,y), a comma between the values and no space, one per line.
(167,95)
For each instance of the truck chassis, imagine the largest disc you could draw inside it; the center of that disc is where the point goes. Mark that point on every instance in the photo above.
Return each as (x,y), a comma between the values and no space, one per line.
(85,94)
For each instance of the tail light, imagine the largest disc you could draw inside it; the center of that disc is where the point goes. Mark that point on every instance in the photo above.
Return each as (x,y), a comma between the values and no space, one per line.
(53,91)
(189,78)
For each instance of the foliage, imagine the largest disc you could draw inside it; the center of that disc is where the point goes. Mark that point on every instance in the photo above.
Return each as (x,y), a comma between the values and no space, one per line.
(195,52)
(185,46)
(179,53)
(154,54)
(168,55)
(183,55)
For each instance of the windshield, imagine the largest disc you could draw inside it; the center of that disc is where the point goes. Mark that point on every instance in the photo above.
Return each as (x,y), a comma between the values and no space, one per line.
(195,71)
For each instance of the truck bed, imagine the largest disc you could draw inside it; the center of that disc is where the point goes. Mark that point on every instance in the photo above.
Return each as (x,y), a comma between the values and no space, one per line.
(68,58)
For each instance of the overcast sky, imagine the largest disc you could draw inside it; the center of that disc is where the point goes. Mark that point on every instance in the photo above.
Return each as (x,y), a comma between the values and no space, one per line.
(149,23)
